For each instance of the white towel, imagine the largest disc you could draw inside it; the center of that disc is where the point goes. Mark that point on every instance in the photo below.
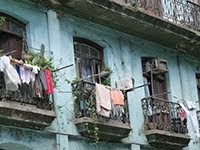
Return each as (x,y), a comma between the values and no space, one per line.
(103,103)
(10,74)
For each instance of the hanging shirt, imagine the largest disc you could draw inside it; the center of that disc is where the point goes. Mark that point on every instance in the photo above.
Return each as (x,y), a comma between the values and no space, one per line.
(43,79)
(49,81)
(117,97)
(11,76)
(25,75)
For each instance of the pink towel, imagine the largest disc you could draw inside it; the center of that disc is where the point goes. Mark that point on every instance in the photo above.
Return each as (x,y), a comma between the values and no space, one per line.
(117,97)
(103,103)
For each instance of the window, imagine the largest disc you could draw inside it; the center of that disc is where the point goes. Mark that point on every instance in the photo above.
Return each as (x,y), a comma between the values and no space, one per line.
(154,73)
(88,59)
(11,36)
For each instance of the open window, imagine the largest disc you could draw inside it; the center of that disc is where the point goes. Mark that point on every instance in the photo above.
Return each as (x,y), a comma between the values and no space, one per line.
(88,59)
(154,73)
(11,36)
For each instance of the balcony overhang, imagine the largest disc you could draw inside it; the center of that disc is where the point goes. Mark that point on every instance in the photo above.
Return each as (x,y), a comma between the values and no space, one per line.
(107,130)
(24,115)
(163,139)
(131,20)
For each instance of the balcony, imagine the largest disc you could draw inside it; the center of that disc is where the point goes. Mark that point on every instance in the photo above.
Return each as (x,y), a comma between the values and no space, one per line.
(183,13)
(163,125)
(171,23)
(92,125)
(17,109)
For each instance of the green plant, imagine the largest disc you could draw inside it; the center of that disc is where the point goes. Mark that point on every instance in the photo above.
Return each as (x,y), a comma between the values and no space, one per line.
(40,61)
(86,94)
(44,63)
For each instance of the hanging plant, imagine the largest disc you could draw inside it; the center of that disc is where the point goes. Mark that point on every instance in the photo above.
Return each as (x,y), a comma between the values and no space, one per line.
(85,93)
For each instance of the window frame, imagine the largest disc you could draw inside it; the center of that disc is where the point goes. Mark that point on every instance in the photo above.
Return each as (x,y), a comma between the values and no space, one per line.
(158,81)
(13,36)
(96,63)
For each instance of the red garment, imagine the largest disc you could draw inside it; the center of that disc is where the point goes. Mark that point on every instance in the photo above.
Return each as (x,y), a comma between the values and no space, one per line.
(50,87)
(117,97)
(182,114)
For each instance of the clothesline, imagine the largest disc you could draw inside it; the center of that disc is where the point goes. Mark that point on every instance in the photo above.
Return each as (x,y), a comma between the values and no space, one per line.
(21,63)
(8,53)
(95,75)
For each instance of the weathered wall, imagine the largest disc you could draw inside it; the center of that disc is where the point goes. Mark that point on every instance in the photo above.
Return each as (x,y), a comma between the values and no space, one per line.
(18,139)
(122,54)
(37,34)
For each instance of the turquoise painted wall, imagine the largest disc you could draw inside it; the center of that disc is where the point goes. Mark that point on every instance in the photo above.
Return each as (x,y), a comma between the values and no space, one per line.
(19,139)
(37,34)
(122,54)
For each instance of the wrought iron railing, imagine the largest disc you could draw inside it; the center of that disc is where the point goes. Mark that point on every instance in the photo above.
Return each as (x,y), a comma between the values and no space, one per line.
(85,104)
(163,115)
(24,97)
(180,12)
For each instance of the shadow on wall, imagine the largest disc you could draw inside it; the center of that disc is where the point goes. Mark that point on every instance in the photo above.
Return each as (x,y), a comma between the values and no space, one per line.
(13,146)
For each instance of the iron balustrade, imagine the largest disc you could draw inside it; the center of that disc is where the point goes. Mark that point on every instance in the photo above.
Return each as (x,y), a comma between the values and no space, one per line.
(85,103)
(20,96)
(180,12)
(163,115)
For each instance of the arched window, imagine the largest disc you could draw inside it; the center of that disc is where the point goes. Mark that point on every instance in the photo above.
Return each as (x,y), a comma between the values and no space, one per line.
(89,59)
(12,32)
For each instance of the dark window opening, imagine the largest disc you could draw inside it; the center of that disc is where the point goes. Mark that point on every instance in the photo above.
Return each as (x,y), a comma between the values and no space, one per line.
(11,36)
(88,59)
(198,85)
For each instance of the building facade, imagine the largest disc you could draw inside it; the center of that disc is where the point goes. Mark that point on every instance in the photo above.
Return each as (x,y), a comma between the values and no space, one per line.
(157,41)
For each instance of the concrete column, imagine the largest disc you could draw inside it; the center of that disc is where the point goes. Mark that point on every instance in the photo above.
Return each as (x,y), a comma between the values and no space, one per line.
(62,142)
(135,147)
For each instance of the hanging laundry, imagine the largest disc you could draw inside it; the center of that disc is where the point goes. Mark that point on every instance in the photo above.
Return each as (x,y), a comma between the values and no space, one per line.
(38,86)
(26,91)
(49,81)
(117,112)
(11,76)
(34,69)
(43,79)
(192,122)
(103,103)
(182,114)
(25,75)
(146,88)
(117,97)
